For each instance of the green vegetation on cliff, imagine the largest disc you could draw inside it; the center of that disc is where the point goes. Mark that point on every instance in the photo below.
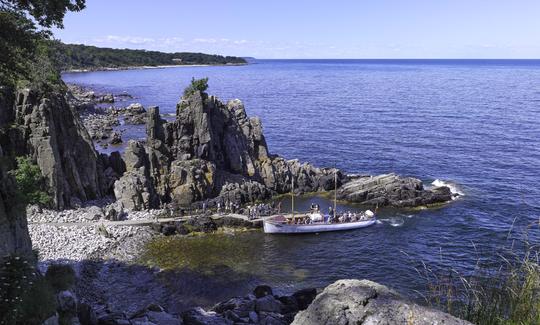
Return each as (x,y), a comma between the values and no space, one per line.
(196,85)
(30,187)
(74,56)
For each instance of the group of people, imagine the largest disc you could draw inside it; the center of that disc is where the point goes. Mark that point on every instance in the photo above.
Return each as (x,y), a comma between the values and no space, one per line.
(262,209)
(317,216)
(252,211)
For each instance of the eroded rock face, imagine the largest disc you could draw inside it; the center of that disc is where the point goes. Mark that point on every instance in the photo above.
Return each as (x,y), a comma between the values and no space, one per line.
(135,190)
(367,302)
(214,150)
(49,130)
(392,190)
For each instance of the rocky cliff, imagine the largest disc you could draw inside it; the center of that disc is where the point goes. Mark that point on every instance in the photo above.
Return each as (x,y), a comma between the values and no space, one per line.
(210,150)
(215,151)
(45,127)
(14,236)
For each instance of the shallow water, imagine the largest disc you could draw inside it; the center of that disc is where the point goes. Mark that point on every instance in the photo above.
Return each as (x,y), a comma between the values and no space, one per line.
(474,124)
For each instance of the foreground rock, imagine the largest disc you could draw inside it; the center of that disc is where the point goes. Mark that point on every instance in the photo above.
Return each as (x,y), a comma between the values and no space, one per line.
(392,190)
(341,303)
(366,302)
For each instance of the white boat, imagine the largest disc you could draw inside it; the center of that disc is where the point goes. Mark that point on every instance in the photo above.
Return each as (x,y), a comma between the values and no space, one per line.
(284,225)
(315,222)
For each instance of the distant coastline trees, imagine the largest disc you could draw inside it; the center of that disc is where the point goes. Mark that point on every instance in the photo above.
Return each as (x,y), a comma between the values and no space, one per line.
(76,56)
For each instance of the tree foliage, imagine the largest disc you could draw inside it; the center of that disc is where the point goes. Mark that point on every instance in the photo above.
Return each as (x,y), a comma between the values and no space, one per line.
(24,28)
(47,13)
(196,85)
(75,56)
(30,187)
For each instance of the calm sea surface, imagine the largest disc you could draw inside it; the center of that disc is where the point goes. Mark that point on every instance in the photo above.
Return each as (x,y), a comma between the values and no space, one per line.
(473,124)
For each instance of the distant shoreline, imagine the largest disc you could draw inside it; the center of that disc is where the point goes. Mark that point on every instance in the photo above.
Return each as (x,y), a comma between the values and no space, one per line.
(151,67)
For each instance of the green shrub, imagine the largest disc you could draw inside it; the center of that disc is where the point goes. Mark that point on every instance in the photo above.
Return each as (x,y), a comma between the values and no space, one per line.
(60,276)
(30,183)
(196,85)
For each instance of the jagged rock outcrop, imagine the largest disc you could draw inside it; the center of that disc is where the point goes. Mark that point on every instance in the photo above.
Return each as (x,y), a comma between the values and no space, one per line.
(14,236)
(45,127)
(134,190)
(366,302)
(392,190)
(213,150)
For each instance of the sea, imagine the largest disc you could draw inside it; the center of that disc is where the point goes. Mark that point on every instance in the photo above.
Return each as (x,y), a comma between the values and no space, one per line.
(471,124)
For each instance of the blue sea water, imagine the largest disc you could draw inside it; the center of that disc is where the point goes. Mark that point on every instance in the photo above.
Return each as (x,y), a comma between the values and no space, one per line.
(472,123)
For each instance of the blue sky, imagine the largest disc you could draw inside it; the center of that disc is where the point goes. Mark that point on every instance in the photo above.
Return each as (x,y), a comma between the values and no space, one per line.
(314,29)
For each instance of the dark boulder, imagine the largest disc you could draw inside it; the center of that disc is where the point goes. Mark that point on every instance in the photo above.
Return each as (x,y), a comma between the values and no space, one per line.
(168,230)
(305,297)
(262,291)
(201,224)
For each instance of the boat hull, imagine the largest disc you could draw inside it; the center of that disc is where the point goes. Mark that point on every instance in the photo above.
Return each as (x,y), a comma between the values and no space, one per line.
(281,228)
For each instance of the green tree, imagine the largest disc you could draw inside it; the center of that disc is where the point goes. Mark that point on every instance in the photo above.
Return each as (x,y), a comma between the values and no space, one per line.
(24,25)
(196,85)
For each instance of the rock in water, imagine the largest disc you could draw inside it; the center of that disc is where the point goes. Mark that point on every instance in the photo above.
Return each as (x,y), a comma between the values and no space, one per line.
(366,302)
(198,316)
(392,190)
(214,150)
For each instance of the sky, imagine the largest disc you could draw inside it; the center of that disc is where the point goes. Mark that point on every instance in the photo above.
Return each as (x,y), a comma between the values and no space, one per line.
(296,29)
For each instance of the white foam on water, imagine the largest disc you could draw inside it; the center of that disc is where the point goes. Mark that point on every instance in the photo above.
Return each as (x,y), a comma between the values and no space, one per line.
(453,187)
(396,222)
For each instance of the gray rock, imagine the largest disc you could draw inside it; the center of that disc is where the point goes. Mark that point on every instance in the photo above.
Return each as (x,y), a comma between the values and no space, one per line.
(86,314)
(135,190)
(163,318)
(392,190)
(201,224)
(266,318)
(116,138)
(107,98)
(241,306)
(66,302)
(198,316)
(253,317)
(93,213)
(53,320)
(366,302)
(50,131)
(268,304)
